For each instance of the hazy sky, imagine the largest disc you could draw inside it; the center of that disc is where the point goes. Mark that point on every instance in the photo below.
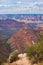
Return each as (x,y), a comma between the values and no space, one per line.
(21,6)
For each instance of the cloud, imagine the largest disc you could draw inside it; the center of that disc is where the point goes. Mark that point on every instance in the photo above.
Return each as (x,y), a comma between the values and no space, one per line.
(39,3)
(19,2)
(5,5)
(21,6)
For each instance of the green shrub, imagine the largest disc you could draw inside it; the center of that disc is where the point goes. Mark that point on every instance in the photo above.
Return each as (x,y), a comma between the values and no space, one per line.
(39,51)
(13,56)
(35,52)
(0,62)
(30,51)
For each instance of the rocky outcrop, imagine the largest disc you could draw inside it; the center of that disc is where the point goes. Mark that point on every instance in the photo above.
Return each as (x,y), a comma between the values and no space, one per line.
(22,60)
(22,39)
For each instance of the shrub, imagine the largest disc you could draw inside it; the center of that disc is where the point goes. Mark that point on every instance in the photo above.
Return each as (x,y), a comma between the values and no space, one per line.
(39,51)
(35,52)
(0,62)
(30,51)
(13,56)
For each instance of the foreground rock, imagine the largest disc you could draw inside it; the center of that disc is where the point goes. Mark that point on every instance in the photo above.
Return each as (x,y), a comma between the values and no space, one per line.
(22,60)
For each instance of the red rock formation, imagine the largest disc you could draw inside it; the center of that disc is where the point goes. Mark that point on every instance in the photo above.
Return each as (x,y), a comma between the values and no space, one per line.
(22,39)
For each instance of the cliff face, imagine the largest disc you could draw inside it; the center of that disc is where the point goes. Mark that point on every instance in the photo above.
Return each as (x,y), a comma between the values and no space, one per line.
(4,52)
(22,39)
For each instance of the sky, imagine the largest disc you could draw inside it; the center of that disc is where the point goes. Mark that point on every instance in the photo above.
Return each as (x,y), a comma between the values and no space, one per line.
(21,6)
